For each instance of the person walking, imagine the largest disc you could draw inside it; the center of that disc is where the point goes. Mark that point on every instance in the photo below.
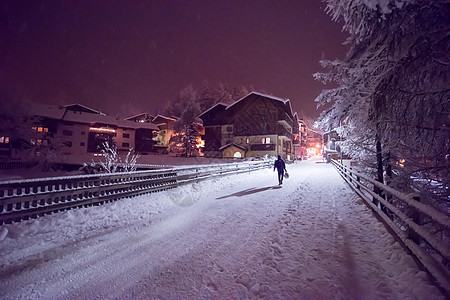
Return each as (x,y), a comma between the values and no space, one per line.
(281,167)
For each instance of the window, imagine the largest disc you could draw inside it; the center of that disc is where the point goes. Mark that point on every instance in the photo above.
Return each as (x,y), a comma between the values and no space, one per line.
(4,140)
(82,144)
(126,135)
(229,129)
(68,144)
(265,140)
(248,141)
(237,154)
(67,132)
(83,133)
(125,145)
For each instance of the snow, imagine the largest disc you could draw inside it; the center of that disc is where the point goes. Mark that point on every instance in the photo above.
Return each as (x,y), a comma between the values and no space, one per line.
(236,237)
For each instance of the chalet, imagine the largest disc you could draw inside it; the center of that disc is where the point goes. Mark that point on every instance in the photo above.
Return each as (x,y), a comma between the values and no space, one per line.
(166,126)
(83,130)
(314,142)
(141,118)
(254,126)
(300,140)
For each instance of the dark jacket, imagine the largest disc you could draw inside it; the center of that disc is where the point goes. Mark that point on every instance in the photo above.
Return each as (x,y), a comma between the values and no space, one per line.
(279,165)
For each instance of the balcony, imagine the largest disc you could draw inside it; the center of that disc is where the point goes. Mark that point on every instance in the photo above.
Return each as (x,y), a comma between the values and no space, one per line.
(262,147)
(281,130)
(285,119)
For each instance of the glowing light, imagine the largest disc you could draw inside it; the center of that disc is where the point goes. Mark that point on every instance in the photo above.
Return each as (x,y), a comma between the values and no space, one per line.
(401,163)
(102,129)
(200,143)
(317,146)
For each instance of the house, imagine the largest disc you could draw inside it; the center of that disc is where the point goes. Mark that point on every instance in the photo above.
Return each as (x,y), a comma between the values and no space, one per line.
(166,126)
(253,126)
(81,130)
(300,140)
(314,142)
(141,118)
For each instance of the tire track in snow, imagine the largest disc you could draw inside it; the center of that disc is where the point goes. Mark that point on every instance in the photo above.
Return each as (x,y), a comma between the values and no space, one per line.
(310,239)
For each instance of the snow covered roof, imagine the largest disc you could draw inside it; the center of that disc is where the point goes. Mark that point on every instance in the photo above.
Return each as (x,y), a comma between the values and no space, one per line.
(212,107)
(139,115)
(232,144)
(82,108)
(284,101)
(163,118)
(65,114)
(47,111)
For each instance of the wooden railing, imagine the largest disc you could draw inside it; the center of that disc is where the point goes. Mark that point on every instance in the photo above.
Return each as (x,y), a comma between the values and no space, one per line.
(23,199)
(422,229)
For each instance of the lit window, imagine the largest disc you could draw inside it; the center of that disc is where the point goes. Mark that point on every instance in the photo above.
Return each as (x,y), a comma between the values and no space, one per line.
(2,139)
(45,129)
(40,129)
(125,145)
(248,141)
(265,141)
(6,139)
(34,128)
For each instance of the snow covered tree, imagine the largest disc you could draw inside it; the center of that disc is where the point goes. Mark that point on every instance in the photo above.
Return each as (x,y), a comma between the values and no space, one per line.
(208,95)
(392,100)
(16,121)
(113,162)
(187,109)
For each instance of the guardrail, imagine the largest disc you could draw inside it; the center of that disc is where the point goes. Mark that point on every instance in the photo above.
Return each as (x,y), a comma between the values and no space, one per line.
(422,229)
(23,199)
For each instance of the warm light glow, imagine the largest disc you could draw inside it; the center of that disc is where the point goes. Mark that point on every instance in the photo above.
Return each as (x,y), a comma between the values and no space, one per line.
(200,143)
(317,146)
(401,163)
(102,129)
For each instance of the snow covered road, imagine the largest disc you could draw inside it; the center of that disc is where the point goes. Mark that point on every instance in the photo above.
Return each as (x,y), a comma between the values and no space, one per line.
(238,237)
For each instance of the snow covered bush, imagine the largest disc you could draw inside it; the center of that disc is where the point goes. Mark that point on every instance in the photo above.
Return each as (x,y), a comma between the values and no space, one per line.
(112,161)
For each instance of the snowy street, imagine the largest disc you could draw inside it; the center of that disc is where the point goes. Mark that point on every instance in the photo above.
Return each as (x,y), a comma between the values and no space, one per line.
(238,237)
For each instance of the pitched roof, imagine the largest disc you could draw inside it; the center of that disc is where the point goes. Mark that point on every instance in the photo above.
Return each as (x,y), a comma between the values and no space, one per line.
(138,115)
(232,144)
(212,107)
(65,114)
(284,101)
(82,108)
(164,118)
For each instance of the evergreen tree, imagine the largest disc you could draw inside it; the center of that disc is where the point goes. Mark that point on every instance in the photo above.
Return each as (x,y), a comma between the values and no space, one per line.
(393,95)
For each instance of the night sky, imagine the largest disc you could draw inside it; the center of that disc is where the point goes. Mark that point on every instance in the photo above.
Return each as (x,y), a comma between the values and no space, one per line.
(126,57)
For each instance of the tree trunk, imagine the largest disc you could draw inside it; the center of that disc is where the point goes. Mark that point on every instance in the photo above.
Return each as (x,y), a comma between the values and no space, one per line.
(379,157)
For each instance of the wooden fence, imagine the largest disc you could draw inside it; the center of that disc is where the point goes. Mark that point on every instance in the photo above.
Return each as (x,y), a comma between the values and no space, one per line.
(23,199)
(423,230)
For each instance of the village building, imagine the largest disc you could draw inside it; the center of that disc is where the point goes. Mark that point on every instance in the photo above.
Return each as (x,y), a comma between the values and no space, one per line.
(82,131)
(254,126)
(166,130)
(300,148)
(314,143)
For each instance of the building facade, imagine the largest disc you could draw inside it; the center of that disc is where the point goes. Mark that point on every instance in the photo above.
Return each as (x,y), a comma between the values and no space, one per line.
(254,126)
(76,131)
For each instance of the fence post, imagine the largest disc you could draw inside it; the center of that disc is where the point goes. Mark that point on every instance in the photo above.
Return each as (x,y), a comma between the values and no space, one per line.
(415,216)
